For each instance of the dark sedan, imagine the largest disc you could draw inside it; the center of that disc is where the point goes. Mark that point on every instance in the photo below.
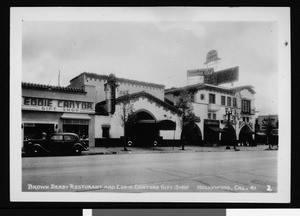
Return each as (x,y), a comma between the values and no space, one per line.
(56,143)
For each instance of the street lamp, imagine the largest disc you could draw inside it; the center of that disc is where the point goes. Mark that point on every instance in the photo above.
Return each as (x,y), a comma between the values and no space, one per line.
(228,113)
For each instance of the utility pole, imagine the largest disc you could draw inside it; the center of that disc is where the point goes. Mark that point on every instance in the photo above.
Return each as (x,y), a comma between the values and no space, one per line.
(59,78)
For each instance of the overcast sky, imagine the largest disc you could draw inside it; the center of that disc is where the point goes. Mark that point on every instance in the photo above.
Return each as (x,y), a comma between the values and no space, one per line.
(156,51)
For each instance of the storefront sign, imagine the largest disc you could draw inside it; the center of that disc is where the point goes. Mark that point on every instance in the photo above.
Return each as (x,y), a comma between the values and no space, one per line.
(224,76)
(263,121)
(211,122)
(54,105)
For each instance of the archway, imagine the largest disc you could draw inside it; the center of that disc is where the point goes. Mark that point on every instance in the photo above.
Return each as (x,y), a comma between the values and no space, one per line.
(228,137)
(143,114)
(245,136)
(144,131)
(192,134)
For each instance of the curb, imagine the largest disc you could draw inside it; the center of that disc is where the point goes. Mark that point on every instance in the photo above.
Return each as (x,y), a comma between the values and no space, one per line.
(160,151)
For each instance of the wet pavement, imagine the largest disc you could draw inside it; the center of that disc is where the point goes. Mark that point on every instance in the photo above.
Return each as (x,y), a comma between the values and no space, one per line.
(250,170)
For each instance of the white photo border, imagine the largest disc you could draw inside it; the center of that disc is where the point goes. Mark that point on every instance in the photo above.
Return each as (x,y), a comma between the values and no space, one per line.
(280,14)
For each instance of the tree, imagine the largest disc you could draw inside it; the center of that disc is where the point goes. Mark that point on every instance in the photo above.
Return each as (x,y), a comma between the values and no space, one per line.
(269,123)
(184,104)
(127,114)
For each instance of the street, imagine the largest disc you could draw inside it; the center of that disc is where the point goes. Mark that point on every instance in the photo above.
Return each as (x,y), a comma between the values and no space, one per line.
(234,172)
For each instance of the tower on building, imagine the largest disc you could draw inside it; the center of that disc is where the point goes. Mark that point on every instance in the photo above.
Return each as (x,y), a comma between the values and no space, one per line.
(212,59)
(197,76)
(110,93)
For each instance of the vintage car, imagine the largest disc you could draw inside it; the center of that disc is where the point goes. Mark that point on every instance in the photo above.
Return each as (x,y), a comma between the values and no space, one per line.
(56,143)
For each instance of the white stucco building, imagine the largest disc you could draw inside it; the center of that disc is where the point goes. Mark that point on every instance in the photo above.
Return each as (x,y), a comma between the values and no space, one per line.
(155,119)
(210,103)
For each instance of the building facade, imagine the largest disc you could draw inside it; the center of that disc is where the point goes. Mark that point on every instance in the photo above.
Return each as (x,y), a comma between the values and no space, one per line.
(262,124)
(154,117)
(210,103)
(93,107)
(97,81)
(48,109)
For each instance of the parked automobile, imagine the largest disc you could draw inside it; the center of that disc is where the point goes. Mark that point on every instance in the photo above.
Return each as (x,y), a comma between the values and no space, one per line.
(56,143)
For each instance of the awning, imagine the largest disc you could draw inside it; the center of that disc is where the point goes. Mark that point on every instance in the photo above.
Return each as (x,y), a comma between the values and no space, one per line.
(216,129)
(161,124)
(166,125)
(247,130)
(148,121)
(75,116)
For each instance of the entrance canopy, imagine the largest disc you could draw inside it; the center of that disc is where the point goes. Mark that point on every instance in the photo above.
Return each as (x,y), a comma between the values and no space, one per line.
(161,124)
(75,116)
(216,129)
(246,130)
(166,125)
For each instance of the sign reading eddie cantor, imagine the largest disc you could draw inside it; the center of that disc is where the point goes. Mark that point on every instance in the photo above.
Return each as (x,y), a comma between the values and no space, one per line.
(44,104)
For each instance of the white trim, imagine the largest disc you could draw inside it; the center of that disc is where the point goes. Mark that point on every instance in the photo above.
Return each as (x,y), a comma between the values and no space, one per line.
(75,116)
(38,122)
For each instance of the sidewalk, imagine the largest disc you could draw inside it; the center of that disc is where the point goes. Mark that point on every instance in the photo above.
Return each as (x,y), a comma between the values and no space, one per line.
(150,150)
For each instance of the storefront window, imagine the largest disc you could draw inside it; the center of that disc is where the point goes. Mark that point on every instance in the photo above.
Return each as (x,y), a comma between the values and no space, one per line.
(36,130)
(77,126)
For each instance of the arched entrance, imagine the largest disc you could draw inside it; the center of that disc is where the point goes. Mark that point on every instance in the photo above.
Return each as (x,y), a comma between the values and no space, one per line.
(228,137)
(245,136)
(144,131)
(192,134)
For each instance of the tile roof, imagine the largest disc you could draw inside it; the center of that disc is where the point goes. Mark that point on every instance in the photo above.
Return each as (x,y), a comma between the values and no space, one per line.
(134,82)
(248,87)
(198,87)
(151,97)
(52,88)
(211,87)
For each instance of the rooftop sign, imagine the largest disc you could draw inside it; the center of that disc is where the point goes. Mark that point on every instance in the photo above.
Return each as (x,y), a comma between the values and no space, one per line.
(200,72)
(224,76)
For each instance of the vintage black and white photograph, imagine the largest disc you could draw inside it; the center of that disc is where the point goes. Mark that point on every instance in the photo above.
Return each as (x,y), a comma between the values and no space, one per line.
(150,104)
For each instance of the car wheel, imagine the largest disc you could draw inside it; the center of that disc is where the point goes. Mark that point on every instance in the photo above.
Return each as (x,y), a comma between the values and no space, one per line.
(77,150)
(35,152)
